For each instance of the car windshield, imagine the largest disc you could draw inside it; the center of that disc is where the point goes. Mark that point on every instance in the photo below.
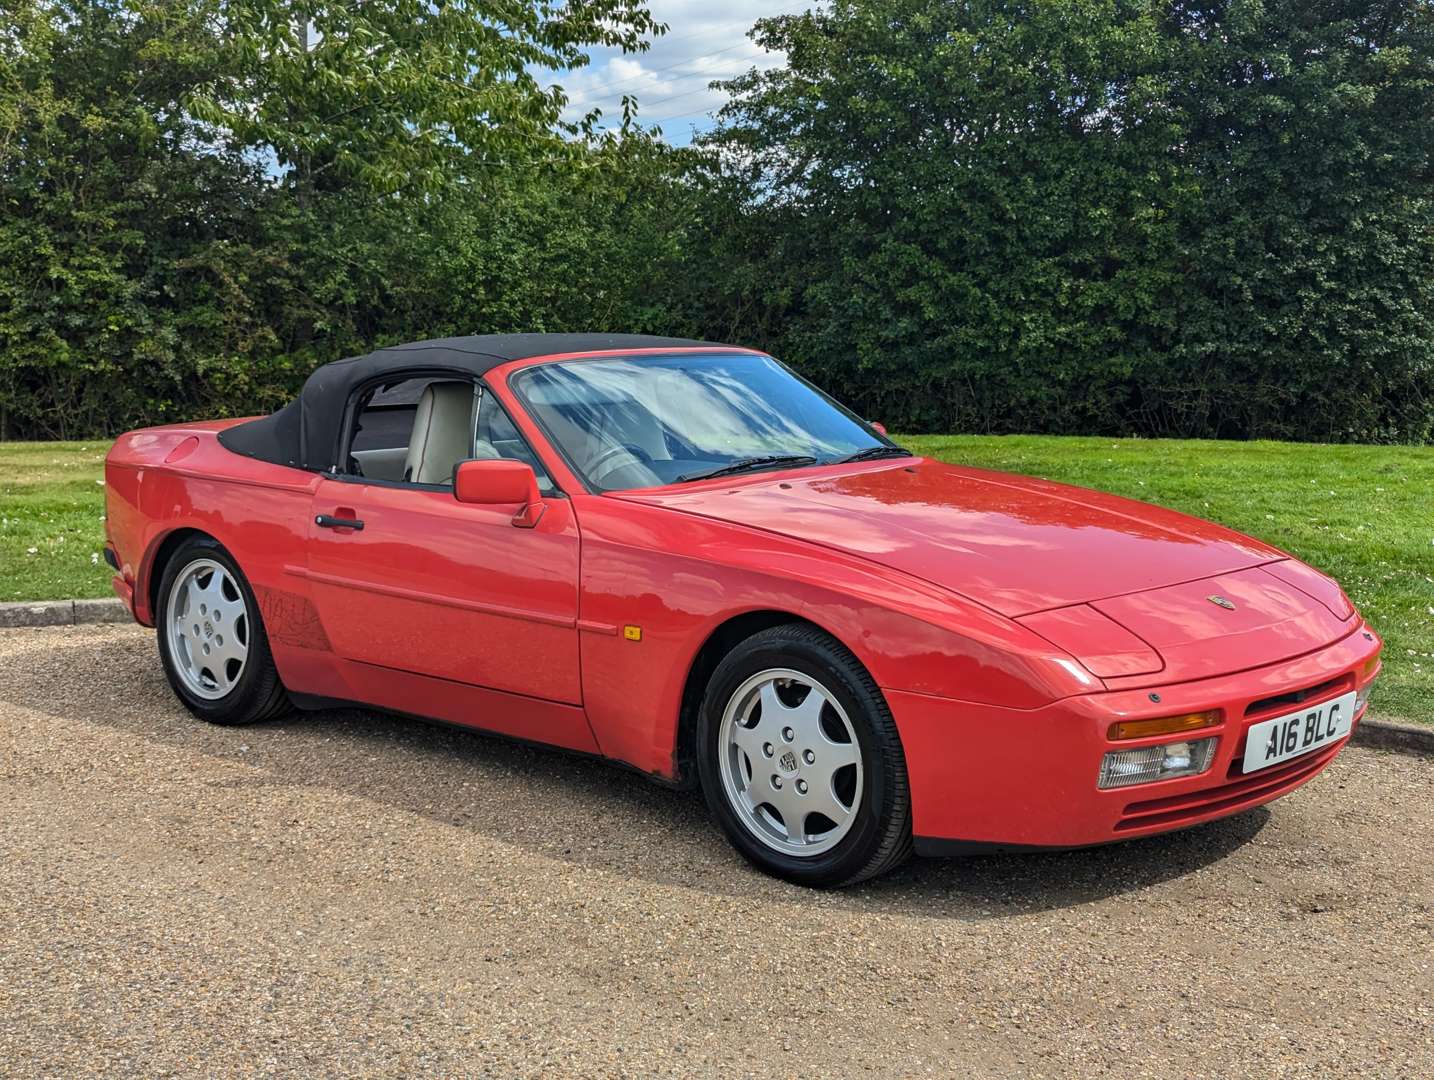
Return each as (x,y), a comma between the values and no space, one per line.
(646,421)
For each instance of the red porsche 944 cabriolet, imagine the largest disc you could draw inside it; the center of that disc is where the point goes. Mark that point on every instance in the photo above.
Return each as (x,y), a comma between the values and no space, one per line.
(683,557)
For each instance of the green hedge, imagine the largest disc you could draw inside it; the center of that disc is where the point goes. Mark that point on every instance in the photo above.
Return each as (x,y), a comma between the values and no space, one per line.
(1168,219)
(1100,216)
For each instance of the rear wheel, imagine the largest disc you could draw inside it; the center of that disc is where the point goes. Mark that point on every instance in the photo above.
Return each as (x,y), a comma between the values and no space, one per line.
(211,638)
(800,760)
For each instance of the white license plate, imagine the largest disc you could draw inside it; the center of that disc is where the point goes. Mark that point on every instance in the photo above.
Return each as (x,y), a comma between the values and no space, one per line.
(1273,741)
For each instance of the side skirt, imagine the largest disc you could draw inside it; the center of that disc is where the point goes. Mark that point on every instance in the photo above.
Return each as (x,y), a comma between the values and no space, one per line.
(321,703)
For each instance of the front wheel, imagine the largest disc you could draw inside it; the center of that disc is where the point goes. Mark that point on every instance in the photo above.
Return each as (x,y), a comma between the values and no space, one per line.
(800,760)
(211,638)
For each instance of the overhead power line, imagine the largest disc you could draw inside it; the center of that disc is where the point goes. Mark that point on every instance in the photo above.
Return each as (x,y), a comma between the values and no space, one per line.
(677,97)
(675,80)
(704,33)
(677,116)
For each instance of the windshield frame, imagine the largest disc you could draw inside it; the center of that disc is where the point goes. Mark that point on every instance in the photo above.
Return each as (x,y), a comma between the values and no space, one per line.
(518,378)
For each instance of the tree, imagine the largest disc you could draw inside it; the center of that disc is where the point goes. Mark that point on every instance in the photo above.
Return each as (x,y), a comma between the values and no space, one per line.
(403,94)
(1154,216)
(186,230)
(127,234)
(1306,249)
(1075,215)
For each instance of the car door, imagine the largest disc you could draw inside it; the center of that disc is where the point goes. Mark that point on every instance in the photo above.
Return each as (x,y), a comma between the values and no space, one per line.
(406,577)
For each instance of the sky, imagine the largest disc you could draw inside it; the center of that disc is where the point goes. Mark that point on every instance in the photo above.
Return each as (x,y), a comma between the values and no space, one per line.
(704,41)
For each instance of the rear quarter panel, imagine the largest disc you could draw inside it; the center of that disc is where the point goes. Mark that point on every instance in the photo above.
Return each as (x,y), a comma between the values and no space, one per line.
(160,481)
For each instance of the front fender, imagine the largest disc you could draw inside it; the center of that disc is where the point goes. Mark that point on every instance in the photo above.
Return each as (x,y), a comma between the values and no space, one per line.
(677,578)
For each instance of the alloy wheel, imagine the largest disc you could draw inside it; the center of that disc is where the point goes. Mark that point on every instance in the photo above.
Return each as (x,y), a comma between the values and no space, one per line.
(208,627)
(790,762)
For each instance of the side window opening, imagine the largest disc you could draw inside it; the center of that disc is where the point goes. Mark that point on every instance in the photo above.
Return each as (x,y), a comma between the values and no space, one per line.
(418,430)
(414,430)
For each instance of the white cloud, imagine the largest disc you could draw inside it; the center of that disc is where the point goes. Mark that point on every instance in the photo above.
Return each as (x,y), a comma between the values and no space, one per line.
(704,42)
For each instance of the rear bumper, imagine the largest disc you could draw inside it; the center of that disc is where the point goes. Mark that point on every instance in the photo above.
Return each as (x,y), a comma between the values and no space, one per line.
(985,777)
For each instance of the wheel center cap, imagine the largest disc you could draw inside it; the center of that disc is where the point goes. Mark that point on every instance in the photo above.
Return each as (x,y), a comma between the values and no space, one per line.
(788,762)
(208,629)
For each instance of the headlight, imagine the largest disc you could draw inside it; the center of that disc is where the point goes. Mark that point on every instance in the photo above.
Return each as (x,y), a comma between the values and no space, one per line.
(1121,768)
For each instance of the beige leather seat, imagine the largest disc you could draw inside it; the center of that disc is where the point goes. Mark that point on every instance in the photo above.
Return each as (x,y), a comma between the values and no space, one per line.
(442,433)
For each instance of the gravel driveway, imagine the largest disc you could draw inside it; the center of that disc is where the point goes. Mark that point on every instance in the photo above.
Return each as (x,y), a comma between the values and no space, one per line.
(346,892)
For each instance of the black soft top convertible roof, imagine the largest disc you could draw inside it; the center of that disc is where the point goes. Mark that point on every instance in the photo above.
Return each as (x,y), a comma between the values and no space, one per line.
(305,433)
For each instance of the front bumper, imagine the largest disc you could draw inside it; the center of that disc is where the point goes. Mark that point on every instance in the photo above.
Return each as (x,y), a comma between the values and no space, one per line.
(983,776)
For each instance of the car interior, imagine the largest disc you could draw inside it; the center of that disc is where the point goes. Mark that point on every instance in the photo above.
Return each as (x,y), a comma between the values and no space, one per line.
(624,426)
(419,430)
(616,442)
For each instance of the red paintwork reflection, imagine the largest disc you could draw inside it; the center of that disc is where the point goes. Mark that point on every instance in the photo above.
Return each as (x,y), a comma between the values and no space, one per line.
(1017,546)
(1271,621)
(495,606)
(1309,580)
(1099,642)
(1007,621)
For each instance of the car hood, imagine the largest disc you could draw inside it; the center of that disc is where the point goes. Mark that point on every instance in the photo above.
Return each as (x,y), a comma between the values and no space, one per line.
(1015,544)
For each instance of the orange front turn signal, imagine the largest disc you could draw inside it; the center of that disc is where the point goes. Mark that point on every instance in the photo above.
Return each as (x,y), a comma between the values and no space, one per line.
(1166,725)
(1370,667)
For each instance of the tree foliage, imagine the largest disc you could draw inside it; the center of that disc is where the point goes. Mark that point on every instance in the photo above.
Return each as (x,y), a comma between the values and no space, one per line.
(126,239)
(405,93)
(1198,218)
(1106,215)
(189,225)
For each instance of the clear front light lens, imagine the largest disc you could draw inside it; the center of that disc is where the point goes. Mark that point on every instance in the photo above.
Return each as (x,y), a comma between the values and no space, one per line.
(1121,768)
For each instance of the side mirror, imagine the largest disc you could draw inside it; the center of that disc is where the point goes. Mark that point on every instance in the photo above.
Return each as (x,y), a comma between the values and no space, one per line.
(876,426)
(497,482)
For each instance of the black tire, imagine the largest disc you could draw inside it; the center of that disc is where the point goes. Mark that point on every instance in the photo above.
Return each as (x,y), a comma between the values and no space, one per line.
(257,694)
(879,838)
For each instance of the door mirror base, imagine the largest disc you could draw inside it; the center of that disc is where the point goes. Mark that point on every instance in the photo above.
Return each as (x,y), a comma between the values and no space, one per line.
(529,516)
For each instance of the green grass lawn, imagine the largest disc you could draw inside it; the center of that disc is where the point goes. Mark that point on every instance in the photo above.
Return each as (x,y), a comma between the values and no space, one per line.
(1362,513)
(52,505)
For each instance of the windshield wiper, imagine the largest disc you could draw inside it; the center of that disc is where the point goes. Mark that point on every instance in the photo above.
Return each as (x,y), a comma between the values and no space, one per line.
(873,452)
(749,464)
